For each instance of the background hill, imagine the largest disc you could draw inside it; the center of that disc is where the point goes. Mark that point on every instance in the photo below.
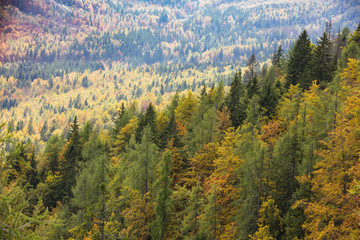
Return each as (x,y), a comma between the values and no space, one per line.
(64,58)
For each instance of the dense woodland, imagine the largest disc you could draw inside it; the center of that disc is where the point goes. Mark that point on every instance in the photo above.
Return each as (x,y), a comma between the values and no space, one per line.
(274,156)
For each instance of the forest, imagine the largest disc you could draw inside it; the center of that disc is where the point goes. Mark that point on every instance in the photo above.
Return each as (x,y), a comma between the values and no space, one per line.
(272,152)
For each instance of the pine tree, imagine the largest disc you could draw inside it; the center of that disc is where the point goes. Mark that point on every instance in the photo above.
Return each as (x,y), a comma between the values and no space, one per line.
(163,199)
(298,69)
(43,132)
(252,87)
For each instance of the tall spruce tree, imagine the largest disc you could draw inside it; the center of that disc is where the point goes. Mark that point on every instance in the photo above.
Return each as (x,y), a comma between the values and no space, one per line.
(72,155)
(322,62)
(298,69)
(235,101)
(147,119)
(278,57)
(269,95)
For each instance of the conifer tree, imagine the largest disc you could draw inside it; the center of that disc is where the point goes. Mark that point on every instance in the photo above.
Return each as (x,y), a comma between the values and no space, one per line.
(51,153)
(190,225)
(163,198)
(269,95)
(147,119)
(71,157)
(210,221)
(252,71)
(322,68)
(278,57)
(298,69)
(142,167)
(235,101)
(32,173)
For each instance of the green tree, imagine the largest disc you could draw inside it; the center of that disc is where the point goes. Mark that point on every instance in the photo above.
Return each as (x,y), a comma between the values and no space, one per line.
(322,62)
(190,225)
(163,199)
(147,119)
(277,58)
(210,222)
(298,69)
(71,157)
(269,94)
(51,154)
(235,101)
(142,168)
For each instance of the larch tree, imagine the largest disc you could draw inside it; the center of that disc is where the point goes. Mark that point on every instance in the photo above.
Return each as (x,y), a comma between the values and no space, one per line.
(190,226)
(331,209)
(163,199)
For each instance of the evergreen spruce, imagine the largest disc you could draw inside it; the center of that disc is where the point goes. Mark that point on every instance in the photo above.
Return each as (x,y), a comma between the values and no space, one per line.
(299,66)
(235,101)
(322,62)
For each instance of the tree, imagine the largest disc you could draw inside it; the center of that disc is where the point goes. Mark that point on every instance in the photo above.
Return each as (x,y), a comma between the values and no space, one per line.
(51,153)
(32,173)
(147,119)
(331,209)
(186,108)
(43,131)
(70,158)
(269,95)
(142,175)
(269,221)
(298,69)
(163,199)
(322,68)
(190,225)
(210,222)
(278,57)
(253,70)
(138,216)
(235,101)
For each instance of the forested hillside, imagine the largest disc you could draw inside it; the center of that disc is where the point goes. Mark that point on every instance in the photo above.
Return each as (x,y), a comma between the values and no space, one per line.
(273,156)
(63,58)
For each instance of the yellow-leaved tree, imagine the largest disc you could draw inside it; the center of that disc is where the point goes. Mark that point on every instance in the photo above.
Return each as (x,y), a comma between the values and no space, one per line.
(332,212)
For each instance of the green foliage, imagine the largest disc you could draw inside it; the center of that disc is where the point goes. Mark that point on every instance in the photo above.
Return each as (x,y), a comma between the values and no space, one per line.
(142,164)
(299,67)
(163,198)
(72,156)
(235,101)
(322,62)
(210,221)
(269,94)
(190,225)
